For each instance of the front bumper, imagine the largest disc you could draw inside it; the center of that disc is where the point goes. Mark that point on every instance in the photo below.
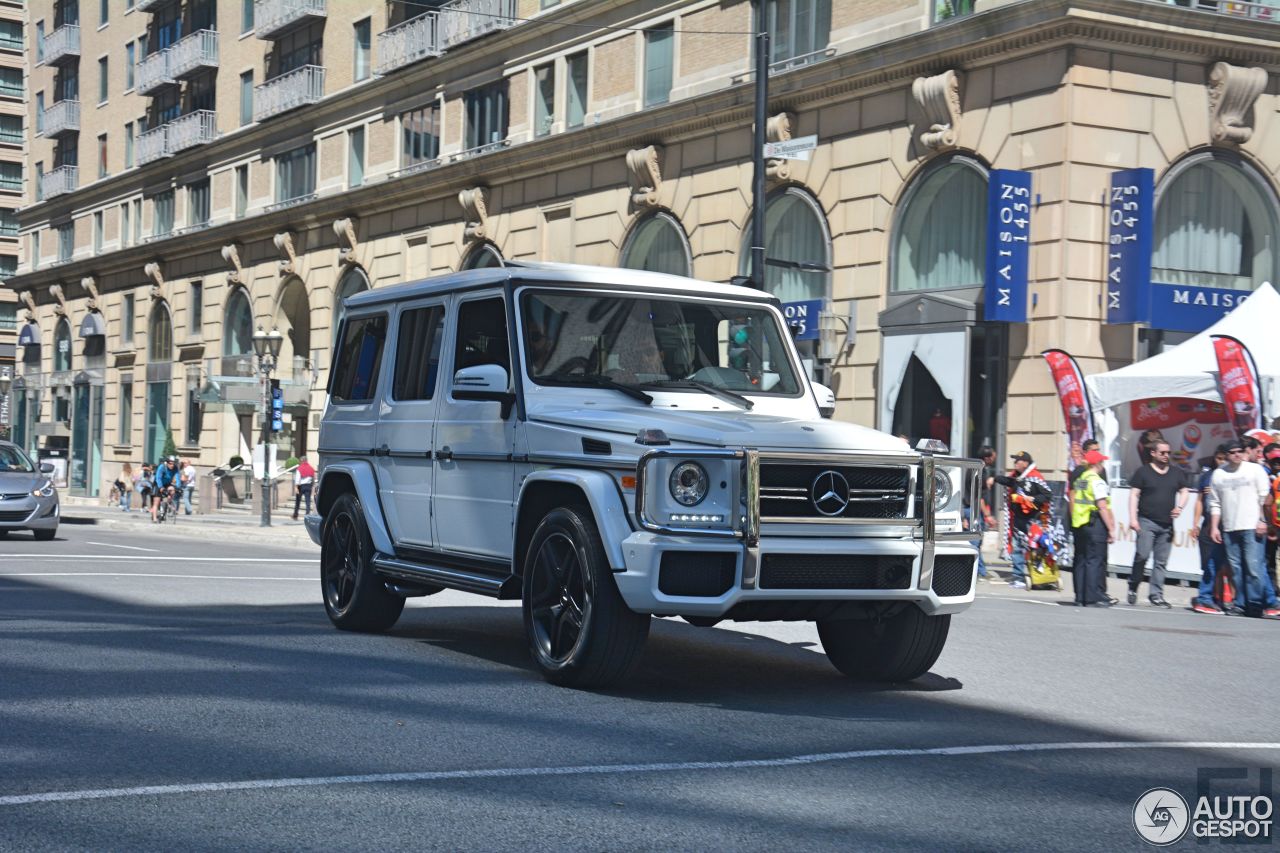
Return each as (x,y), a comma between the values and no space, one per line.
(643,552)
(30,513)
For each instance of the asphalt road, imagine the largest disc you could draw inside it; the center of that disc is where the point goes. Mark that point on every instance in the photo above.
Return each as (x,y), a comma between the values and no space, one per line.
(164,694)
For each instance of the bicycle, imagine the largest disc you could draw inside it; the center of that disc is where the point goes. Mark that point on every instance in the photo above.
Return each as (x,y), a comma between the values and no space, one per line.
(168,509)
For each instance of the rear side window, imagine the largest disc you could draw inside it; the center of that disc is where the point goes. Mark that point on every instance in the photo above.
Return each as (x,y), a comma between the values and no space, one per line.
(355,367)
(482,334)
(418,353)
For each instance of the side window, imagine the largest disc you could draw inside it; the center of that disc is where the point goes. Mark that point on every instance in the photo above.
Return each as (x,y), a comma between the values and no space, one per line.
(482,335)
(418,353)
(355,371)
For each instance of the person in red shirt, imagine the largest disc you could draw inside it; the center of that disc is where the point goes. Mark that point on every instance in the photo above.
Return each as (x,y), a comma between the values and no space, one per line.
(940,426)
(304,478)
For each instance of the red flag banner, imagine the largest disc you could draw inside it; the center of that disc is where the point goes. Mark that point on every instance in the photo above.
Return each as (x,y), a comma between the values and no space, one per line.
(1076,411)
(1238,384)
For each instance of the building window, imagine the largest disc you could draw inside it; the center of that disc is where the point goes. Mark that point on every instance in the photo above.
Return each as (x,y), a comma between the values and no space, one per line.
(67,151)
(102,80)
(941,235)
(137,220)
(237,328)
(162,213)
(362,40)
(11,176)
(11,82)
(62,346)
(8,316)
(130,62)
(8,222)
(420,135)
(198,203)
(576,90)
(659,44)
(104,12)
(126,319)
(1216,226)
(11,130)
(544,104)
(196,318)
(658,244)
(124,224)
(945,10)
(35,249)
(39,42)
(486,115)
(246,98)
(11,35)
(97,233)
(799,28)
(66,241)
(355,157)
(102,155)
(242,190)
(246,16)
(39,113)
(128,145)
(195,413)
(300,47)
(8,266)
(296,173)
(124,429)
(160,335)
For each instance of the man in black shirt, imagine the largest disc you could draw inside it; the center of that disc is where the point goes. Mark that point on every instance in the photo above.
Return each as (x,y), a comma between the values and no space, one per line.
(1157,494)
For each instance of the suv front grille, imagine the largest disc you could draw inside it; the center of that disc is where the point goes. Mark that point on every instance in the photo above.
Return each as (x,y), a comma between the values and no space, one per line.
(834,571)
(795,491)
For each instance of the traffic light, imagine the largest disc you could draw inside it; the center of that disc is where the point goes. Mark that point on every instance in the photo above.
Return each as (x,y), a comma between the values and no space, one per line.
(744,349)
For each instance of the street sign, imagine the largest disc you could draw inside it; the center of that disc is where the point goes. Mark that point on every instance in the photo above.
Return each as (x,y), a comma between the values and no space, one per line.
(792,149)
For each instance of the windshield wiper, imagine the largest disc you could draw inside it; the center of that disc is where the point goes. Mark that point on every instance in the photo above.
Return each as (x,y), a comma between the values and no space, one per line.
(722,393)
(595,380)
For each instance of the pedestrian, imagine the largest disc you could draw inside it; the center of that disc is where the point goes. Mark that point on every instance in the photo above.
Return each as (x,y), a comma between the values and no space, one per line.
(1093,528)
(144,486)
(1213,557)
(1027,493)
(188,484)
(1158,492)
(304,478)
(1237,493)
(124,486)
(986,501)
(1271,455)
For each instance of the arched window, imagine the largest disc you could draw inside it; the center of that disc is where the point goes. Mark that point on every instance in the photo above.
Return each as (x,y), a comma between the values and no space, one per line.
(941,236)
(160,334)
(482,257)
(353,281)
(1215,225)
(62,346)
(658,244)
(237,328)
(797,247)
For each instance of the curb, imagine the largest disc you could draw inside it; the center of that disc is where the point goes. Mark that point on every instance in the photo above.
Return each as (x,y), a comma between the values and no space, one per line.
(291,535)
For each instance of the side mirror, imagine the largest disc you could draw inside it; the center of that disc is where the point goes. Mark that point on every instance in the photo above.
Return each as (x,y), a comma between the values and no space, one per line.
(46,468)
(484,382)
(826,399)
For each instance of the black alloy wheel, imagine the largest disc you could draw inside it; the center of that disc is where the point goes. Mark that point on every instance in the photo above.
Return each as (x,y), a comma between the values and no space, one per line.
(355,597)
(562,598)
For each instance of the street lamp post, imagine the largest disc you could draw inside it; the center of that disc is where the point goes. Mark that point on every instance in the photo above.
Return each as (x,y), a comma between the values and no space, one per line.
(267,348)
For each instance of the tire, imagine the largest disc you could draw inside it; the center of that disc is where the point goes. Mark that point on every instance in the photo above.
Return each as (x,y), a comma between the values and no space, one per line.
(4,534)
(354,596)
(44,535)
(899,648)
(580,631)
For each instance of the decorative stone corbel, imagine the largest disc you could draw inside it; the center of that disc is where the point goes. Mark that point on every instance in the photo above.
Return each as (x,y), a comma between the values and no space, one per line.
(474,214)
(55,290)
(644,168)
(1232,92)
(778,129)
(152,271)
(939,99)
(25,297)
(289,261)
(231,254)
(345,229)
(91,287)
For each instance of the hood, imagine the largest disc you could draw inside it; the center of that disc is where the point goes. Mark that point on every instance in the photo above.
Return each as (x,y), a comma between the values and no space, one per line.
(728,429)
(14,482)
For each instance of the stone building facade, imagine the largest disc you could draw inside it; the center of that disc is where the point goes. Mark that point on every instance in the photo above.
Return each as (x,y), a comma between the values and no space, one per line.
(297,157)
(12,142)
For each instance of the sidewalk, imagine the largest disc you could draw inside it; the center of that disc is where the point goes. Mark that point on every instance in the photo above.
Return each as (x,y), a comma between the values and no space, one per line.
(242,525)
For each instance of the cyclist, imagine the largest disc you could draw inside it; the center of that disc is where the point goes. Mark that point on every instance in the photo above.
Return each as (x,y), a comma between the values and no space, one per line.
(168,481)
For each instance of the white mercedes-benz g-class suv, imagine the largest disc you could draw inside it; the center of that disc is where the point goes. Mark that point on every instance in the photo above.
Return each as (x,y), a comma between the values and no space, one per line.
(609,445)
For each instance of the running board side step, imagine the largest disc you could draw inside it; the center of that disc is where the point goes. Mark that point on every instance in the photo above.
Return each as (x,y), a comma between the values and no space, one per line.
(453,578)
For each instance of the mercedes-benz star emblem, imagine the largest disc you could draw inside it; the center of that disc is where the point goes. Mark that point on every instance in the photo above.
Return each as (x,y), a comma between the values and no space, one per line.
(830,493)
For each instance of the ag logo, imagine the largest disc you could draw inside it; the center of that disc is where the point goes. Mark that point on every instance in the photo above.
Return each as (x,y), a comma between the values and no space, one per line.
(1161,817)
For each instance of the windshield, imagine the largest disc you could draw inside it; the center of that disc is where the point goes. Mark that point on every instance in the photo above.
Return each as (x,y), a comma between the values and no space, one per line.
(13,459)
(580,338)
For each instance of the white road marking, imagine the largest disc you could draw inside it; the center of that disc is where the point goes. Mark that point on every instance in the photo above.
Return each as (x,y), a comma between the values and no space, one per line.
(607,769)
(167,559)
(143,575)
(129,547)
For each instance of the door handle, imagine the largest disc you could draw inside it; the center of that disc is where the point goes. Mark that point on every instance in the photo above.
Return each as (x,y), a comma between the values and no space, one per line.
(444,454)
(382,450)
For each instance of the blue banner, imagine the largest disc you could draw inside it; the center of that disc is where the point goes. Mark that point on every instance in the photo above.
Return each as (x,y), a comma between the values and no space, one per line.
(1130,218)
(1191,308)
(1008,245)
(804,314)
(277,406)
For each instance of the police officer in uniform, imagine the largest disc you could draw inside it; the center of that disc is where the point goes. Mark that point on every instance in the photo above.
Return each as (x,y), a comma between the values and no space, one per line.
(1093,527)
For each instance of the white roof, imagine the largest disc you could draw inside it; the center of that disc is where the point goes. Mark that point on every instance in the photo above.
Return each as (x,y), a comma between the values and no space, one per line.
(1191,368)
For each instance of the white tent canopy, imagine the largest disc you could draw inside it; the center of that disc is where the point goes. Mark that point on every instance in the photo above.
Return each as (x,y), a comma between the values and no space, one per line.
(1191,368)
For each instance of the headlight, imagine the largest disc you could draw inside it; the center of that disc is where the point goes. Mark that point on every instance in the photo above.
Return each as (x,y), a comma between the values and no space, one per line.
(689,483)
(941,488)
(45,491)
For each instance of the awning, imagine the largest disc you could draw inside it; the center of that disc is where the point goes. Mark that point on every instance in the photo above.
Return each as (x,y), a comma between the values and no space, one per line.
(30,334)
(92,324)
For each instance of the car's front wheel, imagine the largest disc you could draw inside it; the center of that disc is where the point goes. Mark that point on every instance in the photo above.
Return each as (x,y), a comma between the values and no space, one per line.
(897,648)
(580,631)
(355,598)
(45,535)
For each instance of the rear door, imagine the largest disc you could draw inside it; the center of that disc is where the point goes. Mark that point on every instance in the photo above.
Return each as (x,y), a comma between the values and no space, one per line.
(406,427)
(350,423)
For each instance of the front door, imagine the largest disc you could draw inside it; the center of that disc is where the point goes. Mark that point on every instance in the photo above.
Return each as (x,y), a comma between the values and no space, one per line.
(407,424)
(474,487)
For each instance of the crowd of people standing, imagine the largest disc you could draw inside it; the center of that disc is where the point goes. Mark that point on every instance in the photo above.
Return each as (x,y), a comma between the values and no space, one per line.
(176,478)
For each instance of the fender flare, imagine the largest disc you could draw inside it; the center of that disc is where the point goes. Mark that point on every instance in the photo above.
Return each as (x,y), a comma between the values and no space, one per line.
(603,498)
(366,484)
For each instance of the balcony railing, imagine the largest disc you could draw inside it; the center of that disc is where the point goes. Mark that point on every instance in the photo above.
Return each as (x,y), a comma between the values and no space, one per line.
(149,5)
(464,20)
(62,44)
(152,145)
(191,129)
(289,91)
(274,18)
(193,54)
(415,39)
(153,73)
(61,180)
(62,117)
(1263,11)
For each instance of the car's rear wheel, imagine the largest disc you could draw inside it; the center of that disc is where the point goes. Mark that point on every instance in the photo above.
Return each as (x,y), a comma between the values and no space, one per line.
(898,648)
(45,535)
(580,631)
(355,598)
